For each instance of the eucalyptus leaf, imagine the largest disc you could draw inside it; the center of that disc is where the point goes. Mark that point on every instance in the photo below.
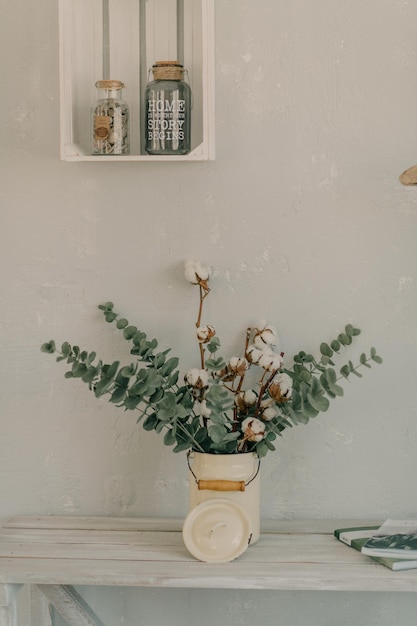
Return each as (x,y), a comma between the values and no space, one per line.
(159,360)
(217,433)
(181,447)
(129,332)
(345,371)
(132,402)
(127,371)
(261,449)
(231,436)
(169,366)
(326,350)
(169,438)
(213,345)
(156,396)
(215,364)
(101,387)
(49,347)
(138,338)
(201,434)
(318,402)
(344,339)
(118,395)
(173,379)
(90,374)
(349,330)
(150,422)
(111,370)
(79,369)
(298,417)
(364,360)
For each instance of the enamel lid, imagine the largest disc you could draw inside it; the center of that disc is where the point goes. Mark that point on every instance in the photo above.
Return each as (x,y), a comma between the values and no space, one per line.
(217,530)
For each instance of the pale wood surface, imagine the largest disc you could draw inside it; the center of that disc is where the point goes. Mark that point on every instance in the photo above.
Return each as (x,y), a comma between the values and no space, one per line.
(150,552)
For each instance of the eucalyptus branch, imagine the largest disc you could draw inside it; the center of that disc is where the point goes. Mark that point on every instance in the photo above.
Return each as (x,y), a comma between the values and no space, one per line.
(188,436)
(212,411)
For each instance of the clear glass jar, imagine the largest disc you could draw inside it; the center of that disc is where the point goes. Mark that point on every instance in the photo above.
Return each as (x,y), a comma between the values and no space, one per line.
(110,124)
(168,110)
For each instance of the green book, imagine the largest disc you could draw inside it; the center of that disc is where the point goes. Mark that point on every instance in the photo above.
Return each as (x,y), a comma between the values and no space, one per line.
(357,536)
(396,539)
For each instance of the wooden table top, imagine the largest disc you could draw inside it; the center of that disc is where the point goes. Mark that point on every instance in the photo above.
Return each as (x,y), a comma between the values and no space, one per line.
(290,555)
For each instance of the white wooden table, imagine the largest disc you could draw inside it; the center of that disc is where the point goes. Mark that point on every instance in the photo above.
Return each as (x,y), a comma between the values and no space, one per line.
(51,554)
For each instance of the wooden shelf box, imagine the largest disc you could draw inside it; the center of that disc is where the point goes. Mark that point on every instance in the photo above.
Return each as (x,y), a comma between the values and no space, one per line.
(121,40)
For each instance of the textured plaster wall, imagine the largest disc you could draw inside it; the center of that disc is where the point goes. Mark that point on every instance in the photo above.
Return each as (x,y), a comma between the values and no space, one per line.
(301,216)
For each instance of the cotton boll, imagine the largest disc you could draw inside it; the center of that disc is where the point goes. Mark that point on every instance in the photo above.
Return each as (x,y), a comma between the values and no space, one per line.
(266,336)
(195,272)
(284,381)
(254,354)
(281,388)
(189,272)
(205,333)
(202,271)
(238,365)
(250,397)
(270,413)
(253,428)
(270,362)
(196,378)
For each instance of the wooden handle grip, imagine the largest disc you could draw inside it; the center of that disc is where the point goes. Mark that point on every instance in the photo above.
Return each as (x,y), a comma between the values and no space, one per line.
(222,485)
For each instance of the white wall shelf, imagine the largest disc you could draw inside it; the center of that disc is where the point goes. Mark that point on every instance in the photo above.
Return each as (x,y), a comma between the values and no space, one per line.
(121,40)
(55,553)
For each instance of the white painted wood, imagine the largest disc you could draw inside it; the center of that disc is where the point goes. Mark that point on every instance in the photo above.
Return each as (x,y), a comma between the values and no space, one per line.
(81,65)
(124,59)
(30,607)
(40,614)
(145,552)
(5,617)
(8,604)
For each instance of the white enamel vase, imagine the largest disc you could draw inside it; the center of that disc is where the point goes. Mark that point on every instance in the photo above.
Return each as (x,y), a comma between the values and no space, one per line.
(224,506)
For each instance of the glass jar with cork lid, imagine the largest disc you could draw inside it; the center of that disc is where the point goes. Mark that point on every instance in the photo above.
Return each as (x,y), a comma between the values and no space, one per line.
(168,110)
(110,123)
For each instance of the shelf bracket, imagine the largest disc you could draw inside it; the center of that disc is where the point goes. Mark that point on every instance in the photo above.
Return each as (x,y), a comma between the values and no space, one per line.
(409,177)
(70,605)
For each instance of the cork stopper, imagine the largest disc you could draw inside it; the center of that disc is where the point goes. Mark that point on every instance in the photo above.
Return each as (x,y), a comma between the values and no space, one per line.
(109,84)
(168,70)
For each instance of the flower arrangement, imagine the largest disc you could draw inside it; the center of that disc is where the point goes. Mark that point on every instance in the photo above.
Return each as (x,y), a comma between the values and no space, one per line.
(217,407)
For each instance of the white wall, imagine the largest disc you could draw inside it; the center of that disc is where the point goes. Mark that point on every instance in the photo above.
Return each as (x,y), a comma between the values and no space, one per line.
(302,217)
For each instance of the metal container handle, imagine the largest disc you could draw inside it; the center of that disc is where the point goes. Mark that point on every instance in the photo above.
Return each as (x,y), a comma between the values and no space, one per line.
(222,485)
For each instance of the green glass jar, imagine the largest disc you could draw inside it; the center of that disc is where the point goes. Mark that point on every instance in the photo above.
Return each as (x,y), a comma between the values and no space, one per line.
(168,110)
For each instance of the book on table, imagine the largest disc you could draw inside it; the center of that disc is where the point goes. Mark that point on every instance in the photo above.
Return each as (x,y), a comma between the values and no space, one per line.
(357,536)
(395,539)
